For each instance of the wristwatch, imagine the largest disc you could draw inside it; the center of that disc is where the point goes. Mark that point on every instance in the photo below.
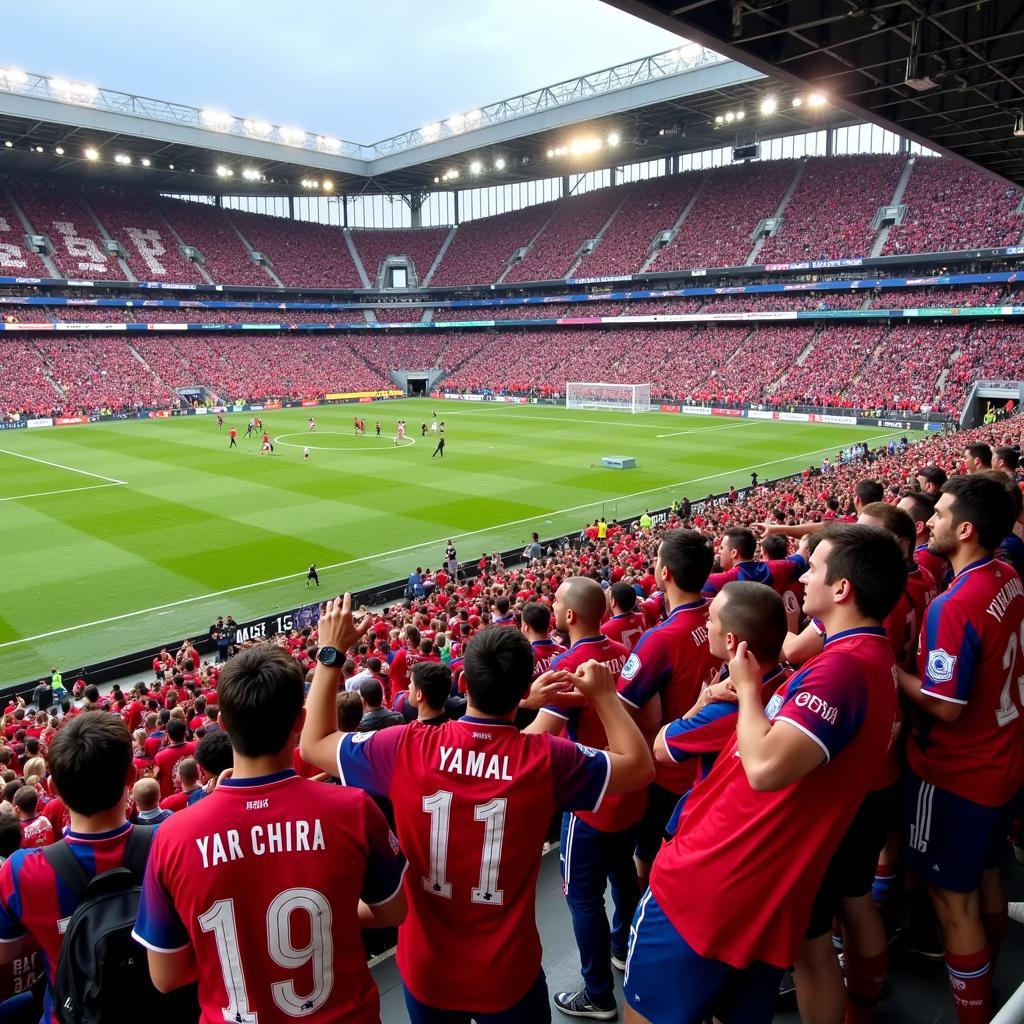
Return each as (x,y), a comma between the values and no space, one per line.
(329,656)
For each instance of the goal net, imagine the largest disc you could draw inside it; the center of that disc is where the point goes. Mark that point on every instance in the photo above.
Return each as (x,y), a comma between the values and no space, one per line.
(616,397)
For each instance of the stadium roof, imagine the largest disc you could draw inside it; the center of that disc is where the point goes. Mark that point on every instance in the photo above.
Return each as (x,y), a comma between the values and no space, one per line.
(652,107)
(948,73)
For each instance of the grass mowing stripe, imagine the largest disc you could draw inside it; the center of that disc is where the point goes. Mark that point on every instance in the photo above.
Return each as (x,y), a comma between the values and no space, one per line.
(57,465)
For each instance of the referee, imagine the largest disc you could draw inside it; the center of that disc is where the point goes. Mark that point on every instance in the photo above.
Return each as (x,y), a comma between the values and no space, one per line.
(312,576)
(439,450)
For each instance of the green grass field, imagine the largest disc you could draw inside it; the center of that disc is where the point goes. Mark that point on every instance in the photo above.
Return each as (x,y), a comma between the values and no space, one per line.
(118,536)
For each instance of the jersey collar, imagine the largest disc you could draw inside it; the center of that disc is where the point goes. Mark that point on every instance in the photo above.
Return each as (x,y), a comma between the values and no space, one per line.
(974,565)
(589,640)
(472,720)
(687,607)
(259,780)
(849,634)
(99,837)
(542,643)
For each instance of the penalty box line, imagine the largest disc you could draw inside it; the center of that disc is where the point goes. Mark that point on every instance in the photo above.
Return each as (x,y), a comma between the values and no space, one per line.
(58,465)
(65,490)
(424,544)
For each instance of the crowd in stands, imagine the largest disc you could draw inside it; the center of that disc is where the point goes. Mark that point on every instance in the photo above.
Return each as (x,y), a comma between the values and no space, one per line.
(421,245)
(16,259)
(952,207)
(832,363)
(90,768)
(576,219)
(832,209)
(301,253)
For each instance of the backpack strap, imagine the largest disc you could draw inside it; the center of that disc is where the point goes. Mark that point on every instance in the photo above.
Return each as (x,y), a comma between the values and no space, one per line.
(136,852)
(67,868)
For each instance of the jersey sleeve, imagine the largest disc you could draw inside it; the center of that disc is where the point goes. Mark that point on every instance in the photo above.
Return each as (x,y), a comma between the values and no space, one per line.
(716,581)
(827,704)
(158,925)
(646,671)
(785,570)
(706,732)
(385,867)
(366,760)
(949,651)
(11,928)
(580,775)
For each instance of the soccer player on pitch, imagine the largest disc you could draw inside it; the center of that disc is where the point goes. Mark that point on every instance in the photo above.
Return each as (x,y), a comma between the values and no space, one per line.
(775,805)
(472,801)
(312,576)
(966,750)
(262,889)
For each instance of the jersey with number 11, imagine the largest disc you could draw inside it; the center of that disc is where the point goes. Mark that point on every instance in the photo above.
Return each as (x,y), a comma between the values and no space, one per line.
(473,800)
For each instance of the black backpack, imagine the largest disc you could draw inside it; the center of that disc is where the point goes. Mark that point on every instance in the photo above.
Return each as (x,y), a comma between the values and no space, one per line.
(102,973)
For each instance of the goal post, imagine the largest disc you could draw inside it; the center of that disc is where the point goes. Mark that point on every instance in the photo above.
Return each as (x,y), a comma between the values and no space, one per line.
(613,397)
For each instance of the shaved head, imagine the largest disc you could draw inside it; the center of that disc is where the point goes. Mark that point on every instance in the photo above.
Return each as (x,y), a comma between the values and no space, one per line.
(146,794)
(585,598)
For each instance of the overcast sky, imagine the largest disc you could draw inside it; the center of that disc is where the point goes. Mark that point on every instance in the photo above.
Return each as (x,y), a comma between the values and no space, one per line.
(358,70)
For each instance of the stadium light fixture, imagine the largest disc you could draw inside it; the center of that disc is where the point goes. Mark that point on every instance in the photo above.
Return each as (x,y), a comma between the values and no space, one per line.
(59,150)
(170,167)
(551,153)
(740,114)
(730,117)
(431,131)
(332,145)
(476,167)
(719,119)
(122,158)
(583,146)
(91,153)
(8,144)
(59,85)
(798,101)
(499,164)
(437,180)
(292,136)
(145,161)
(251,174)
(769,105)
(328,185)
(457,122)
(614,138)
(224,171)
(1018,125)
(13,77)
(84,93)
(259,128)
(217,119)
(816,99)
(39,149)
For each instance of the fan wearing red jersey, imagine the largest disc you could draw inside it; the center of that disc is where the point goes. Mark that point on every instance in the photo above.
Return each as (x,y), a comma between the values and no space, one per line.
(537,629)
(740,612)
(262,888)
(667,670)
(966,750)
(90,762)
(627,622)
(921,508)
(472,801)
(864,493)
(736,557)
(775,805)
(596,847)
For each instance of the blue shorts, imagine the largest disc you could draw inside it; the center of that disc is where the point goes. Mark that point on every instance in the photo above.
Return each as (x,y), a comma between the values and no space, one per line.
(949,841)
(669,983)
(533,1008)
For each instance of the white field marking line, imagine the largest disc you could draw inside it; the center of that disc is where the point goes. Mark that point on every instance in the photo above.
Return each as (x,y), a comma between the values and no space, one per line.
(57,465)
(348,448)
(709,430)
(424,544)
(66,490)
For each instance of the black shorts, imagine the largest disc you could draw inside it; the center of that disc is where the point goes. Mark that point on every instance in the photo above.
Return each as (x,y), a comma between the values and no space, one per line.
(851,872)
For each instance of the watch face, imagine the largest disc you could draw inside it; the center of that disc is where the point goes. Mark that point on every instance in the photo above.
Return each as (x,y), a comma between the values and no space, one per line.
(328,655)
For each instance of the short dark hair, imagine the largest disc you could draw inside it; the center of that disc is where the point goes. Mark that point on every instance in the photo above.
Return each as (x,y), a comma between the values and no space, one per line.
(1008,456)
(923,505)
(688,556)
(260,696)
(214,752)
(89,760)
(871,560)
(743,540)
(985,503)
(624,596)
(498,670)
(774,546)
(757,614)
(435,681)
(501,605)
(897,521)
(26,799)
(868,491)
(933,475)
(350,711)
(10,834)
(176,730)
(372,692)
(981,452)
(537,616)
(91,693)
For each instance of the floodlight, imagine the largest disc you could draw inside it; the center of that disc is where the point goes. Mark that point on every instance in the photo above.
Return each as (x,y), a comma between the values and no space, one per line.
(730,117)
(261,128)
(292,136)
(250,174)
(59,150)
(551,153)
(13,76)
(816,99)
(224,172)
(8,144)
(328,185)
(216,118)
(499,164)
(475,167)
(473,116)
(145,161)
(122,158)
(39,149)
(430,131)
(798,101)
(613,138)
(327,142)
(769,105)
(456,122)
(719,119)
(1018,125)
(61,85)
(453,173)
(436,179)
(740,114)
(92,154)
(170,166)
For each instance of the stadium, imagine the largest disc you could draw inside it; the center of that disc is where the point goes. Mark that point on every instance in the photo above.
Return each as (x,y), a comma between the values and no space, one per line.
(705,368)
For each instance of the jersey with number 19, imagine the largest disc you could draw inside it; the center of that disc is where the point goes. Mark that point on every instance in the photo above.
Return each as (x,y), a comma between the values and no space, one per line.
(970,653)
(473,800)
(263,879)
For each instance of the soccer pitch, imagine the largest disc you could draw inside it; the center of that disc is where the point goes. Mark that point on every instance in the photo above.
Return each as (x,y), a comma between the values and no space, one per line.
(122,535)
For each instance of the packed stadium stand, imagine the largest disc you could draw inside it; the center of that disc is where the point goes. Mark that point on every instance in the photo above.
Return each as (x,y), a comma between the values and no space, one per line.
(420,245)
(15,255)
(302,254)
